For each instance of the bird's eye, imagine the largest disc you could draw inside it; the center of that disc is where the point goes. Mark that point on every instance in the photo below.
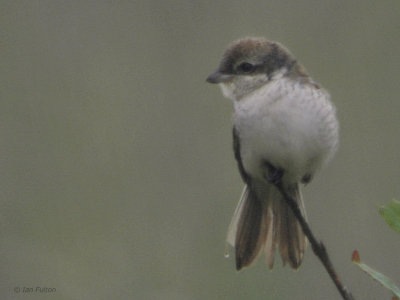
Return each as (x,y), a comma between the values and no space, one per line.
(246,67)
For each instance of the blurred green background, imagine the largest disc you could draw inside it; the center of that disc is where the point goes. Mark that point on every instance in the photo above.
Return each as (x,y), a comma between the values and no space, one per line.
(117,176)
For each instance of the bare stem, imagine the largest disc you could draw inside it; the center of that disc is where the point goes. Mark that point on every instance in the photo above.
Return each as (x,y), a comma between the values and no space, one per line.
(317,247)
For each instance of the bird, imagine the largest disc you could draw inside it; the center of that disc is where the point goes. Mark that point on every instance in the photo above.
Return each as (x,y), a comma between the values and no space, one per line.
(284,130)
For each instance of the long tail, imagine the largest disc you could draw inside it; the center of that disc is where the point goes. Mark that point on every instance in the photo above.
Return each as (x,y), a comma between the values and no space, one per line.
(263,220)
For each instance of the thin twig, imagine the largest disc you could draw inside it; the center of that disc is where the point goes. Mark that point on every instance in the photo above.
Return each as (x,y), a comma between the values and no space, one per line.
(317,247)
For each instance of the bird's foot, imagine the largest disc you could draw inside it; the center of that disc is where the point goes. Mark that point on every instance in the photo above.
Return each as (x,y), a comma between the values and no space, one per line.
(306,178)
(273,175)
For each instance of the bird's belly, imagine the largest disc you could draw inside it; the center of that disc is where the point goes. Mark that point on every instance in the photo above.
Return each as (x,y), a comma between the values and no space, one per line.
(286,140)
(289,125)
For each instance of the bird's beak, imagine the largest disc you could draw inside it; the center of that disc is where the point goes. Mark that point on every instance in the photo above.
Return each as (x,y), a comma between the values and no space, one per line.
(218,77)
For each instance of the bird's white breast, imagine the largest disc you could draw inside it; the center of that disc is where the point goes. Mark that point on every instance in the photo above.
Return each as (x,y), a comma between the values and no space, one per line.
(290,124)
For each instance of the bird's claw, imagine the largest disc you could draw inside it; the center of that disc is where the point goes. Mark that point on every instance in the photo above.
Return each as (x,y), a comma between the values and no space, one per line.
(273,175)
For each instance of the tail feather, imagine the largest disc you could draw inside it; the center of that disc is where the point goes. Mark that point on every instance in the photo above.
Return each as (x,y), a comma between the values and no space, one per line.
(230,239)
(250,232)
(263,220)
(292,240)
(271,239)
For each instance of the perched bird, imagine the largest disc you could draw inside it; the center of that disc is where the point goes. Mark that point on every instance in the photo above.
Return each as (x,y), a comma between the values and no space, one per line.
(285,129)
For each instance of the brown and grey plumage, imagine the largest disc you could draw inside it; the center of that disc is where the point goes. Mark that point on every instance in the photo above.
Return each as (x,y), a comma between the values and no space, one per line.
(285,128)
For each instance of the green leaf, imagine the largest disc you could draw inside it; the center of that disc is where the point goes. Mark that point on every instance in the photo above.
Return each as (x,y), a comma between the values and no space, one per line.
(391,214)
(382,279)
